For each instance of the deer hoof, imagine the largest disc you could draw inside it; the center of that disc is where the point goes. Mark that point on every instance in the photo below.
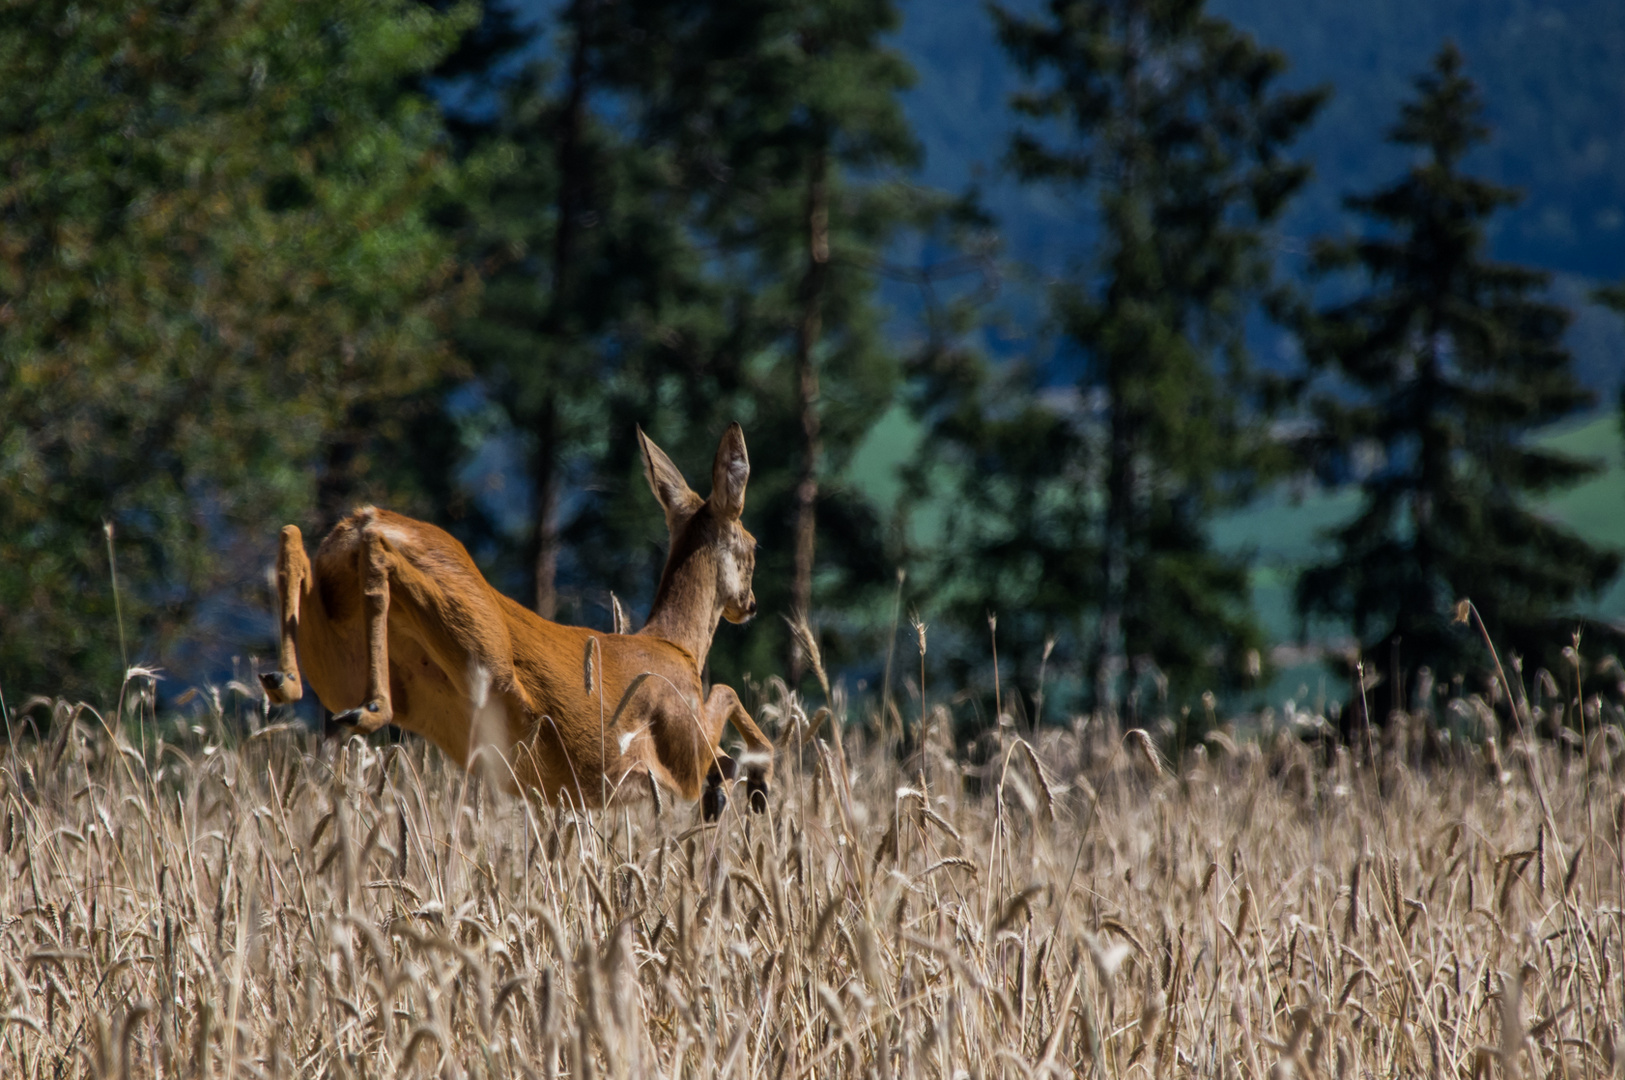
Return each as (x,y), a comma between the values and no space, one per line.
(712,802)
(366,719)
(756,792)
(280,687)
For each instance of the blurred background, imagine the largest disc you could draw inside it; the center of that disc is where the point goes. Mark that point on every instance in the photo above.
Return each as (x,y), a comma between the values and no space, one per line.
(1161,348)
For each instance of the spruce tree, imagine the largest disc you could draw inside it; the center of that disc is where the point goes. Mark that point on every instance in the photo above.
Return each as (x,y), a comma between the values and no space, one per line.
(1442,367)
(1166,125)
(582,233)
(735,187)
(784,117)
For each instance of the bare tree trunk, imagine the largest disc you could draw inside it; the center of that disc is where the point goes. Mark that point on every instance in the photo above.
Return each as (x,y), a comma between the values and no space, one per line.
(572,202)
(545,542)
(1121,490)
(807,335)
(1112,660)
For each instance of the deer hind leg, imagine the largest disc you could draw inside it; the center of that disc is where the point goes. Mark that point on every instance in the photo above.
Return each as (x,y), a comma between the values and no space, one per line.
(283,685)
(375,711)
(715,796)
(722,708)
(639,783)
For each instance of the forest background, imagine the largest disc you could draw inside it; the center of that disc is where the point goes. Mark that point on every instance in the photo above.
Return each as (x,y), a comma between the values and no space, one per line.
(1050,326)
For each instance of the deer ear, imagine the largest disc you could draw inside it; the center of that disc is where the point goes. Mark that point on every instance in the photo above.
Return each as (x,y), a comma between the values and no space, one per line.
(670,489)
(729,474)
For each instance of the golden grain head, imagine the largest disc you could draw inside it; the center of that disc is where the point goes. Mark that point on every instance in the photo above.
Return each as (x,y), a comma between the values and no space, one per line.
(1141,741)
(278,906)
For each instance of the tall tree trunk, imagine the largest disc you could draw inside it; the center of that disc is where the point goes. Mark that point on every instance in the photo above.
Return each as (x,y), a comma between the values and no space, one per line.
(807,335)
(1112,659)
(545,490)
(572,200)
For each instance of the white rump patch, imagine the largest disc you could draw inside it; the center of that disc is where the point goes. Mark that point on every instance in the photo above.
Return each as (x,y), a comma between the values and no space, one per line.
(398,537)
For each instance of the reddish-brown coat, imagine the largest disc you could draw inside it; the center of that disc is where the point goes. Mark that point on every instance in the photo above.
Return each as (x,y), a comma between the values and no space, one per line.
(391,622)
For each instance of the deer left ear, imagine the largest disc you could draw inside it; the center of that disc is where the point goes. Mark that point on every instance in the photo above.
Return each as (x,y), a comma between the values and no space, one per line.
(667,483)
(729,474)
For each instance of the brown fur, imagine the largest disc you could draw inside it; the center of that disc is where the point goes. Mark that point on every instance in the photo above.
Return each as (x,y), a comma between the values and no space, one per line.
(392,623)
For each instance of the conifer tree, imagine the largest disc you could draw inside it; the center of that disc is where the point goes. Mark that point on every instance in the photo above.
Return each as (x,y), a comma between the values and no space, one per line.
(785,118)
(737,170)
(582,231)
(1166,125)
(1443,366)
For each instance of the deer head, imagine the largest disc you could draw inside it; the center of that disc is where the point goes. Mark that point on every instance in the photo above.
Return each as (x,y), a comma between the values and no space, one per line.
(712,555)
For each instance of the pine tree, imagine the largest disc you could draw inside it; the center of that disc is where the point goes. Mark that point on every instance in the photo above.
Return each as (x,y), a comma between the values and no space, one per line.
(1442,368)
(218,254)
(785,119)
(1171,136)
(736,165)
(582,231)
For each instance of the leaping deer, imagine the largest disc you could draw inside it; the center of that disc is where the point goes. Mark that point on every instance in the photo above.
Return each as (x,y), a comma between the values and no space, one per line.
(393,623)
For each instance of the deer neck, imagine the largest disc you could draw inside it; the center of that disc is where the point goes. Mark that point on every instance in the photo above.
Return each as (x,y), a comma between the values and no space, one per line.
(686,608)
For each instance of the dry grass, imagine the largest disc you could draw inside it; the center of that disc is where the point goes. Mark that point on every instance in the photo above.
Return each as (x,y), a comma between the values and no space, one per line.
(272,905)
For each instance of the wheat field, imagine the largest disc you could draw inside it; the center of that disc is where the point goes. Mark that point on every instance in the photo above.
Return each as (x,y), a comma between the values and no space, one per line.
(208,895)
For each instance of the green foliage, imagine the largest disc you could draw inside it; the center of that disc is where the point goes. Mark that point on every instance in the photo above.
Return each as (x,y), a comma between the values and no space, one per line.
(1613,297)
(1441,368)
(217,252)
(231,295)
(588,266)
(1165,125)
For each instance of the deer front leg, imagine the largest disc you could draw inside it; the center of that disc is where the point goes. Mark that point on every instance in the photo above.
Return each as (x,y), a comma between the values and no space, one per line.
(723,707)
(283,685)
(376,711)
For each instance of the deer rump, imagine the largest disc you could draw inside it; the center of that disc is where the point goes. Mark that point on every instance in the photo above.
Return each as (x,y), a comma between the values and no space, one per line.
(391,622)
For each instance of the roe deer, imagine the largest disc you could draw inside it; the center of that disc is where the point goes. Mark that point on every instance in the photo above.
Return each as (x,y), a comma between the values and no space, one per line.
(392,623)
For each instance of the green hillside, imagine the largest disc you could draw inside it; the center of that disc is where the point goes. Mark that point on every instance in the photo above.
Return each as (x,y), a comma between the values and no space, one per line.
(1595,509)
(1283,530)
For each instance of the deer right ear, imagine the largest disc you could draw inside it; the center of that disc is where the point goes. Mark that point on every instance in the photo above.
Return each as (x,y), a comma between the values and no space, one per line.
(729,474)
(671,490)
